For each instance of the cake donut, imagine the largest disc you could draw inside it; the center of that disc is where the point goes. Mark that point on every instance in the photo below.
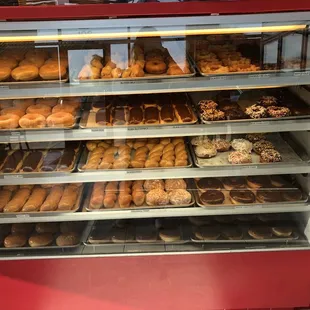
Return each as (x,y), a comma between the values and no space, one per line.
(270,156)
(60,119)
(239,157)
(42,109)
(155,66)
(9,121)
(32,120)
(274,111)
(256,111)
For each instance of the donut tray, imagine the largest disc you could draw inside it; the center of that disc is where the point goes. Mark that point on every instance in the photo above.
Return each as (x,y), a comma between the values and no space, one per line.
(51,213)
(133,206)
(84,156)
(147,76)
(34,82)
(281,142)
(296,236)
(129,234)
(88,120)
(244,103)
(45,173)
(228,204)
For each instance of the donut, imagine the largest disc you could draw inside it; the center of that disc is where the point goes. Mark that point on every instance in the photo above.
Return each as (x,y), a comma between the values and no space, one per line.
(207,104)
(60,119)
(37,53)
(55,54)
(155,67)
(213,197)
(9,62)
(239,157)
(5,73)
(42,109)
(23,104)
(25,73)
(212,114)
(241,196)
(57,62)
(12,110)
(233,182)
(32,120)
(270,156)
(242,145)
(9,121)
(255,137)
(267,101)
(221,145)
(209,183)
(176,70)
(7,103)
(35,60)
(17,54)
(52,71)
(64,108)
(262,145)
(256,111)
(278,112)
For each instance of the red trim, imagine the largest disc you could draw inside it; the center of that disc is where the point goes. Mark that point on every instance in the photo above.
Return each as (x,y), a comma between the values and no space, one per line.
(195,282)
(152,9)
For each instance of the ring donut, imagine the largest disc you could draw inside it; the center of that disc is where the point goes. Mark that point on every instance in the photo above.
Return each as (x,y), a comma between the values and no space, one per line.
(34,120)
(9,121)
(60,119)
(42,109)
(155,67)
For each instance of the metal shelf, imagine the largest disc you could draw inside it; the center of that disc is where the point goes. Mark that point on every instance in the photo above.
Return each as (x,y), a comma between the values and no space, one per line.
(153,131)
(189,249)
(123,87)
(148,174)
(149,213)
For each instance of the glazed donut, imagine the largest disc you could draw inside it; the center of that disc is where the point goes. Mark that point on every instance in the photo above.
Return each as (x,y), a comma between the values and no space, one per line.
(23,104)
(60,119)
(5,73)
(35,60)
(57,62)
(9,121)
(51,102)
(176,70)
(68,108)
(76,104)
(155,67)
(17,54)
(25,73)
(136,71)
(42,109)
(9,62)
(52,71)
(12,110)
(55,54)
(32,121)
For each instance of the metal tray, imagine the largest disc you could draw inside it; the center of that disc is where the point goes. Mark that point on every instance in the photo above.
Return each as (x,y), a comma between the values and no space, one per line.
(88,121)
(228,204)
(35,82)
(134,207)
(84,156)
(281,143)
(296,237)
(51,213)
(46,173)
(147,76)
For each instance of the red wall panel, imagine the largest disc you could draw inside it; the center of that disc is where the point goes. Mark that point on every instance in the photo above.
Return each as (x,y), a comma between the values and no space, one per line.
(191,282)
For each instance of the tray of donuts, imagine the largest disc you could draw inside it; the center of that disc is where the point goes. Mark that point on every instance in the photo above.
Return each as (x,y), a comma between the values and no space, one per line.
(132,154)
(246,191)
(56,158)
(29,236)
(251,106)
(41,113)
(136,110)
(250,149)
(33,66)
(264,228)
(152,64)
(139,194)
(137,232)
(48,198)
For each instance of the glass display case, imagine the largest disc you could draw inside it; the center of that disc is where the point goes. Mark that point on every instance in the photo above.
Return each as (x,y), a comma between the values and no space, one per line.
(154,135)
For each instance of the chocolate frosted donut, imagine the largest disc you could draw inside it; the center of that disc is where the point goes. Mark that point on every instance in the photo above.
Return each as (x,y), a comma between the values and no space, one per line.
(268,195)
(241,196)
(135,116)
(234,182)
(103,117)
(235,114)
(260,232)
(212,197)
(209,183)
(292,194)
(32,161)
(258,181)
(267,101)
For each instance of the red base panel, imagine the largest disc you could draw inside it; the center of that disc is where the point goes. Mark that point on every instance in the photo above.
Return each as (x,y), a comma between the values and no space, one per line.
(189,282)
(152,9)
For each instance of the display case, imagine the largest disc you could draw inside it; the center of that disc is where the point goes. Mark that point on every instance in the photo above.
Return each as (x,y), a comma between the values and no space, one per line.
(146,136)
